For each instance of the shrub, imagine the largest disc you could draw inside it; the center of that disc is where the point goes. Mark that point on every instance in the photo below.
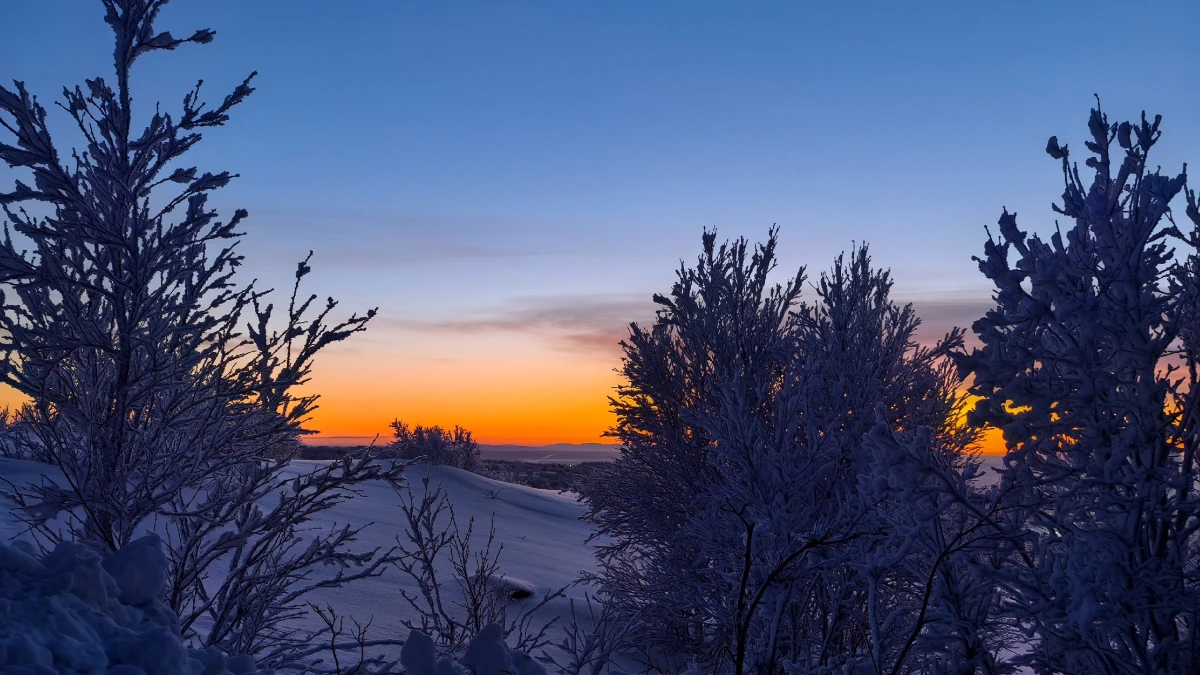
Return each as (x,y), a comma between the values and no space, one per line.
(435,445)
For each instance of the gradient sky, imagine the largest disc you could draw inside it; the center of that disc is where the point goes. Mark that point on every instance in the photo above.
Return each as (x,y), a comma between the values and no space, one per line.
(509,182)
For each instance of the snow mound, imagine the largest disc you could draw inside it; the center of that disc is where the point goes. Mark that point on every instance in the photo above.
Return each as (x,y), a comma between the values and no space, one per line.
(72,612)
(515,589)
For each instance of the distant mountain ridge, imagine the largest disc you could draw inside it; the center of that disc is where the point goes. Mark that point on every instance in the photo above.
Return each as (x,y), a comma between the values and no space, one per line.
(566,453)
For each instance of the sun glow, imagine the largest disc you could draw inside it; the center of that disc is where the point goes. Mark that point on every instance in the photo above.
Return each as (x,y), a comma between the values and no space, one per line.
(518,393)
(505,390)
(540,399)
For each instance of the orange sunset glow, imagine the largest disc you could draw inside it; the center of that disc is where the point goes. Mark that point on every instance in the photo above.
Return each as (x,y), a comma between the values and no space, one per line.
(518,381)
(524,394)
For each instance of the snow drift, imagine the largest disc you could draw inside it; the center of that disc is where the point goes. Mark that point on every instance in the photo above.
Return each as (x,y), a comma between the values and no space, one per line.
(72,612)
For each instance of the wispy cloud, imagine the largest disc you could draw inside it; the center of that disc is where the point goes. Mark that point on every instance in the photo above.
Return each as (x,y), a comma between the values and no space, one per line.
(586,324)
(595,324)
(360,254)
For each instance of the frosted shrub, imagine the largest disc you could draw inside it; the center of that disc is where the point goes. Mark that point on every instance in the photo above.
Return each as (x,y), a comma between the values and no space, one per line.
(72,610)
(454,609)
(456,448)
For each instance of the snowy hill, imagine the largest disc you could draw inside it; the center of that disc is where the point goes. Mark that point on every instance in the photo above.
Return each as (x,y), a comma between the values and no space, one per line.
(544,541)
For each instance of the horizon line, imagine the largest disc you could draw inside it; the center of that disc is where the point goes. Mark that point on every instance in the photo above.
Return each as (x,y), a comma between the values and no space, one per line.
(317,439)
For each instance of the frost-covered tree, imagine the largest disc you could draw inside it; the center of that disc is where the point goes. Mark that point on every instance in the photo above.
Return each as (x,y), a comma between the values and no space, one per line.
(720,315)
(739,527)
(1089,365)
(932,603)
(791,544)
(434,444)
(162,389)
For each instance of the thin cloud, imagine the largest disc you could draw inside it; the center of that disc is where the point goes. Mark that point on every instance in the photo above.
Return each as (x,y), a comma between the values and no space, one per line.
(595,325)
(574,323)
(357,255)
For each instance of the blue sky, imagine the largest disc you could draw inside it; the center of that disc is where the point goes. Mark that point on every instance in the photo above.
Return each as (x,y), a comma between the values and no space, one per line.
(528,173)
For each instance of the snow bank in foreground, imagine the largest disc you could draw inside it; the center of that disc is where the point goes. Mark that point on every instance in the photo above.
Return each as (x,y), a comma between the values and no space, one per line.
(71,612)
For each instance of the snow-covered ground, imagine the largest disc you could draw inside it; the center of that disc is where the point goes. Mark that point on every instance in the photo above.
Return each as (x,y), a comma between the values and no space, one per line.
(544,540)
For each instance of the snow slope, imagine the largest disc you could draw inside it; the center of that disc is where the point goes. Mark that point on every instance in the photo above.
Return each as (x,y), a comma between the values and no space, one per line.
(544,541)
(74,613)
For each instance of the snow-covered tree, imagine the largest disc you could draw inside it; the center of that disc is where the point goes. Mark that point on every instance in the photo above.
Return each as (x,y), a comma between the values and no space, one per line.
(932,604)
(456,447)
(792,545)
(740,530)
(720,315)
(162,389)
(1089,365)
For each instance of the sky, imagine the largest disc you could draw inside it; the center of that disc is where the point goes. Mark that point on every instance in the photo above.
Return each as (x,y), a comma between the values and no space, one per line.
(510,182)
